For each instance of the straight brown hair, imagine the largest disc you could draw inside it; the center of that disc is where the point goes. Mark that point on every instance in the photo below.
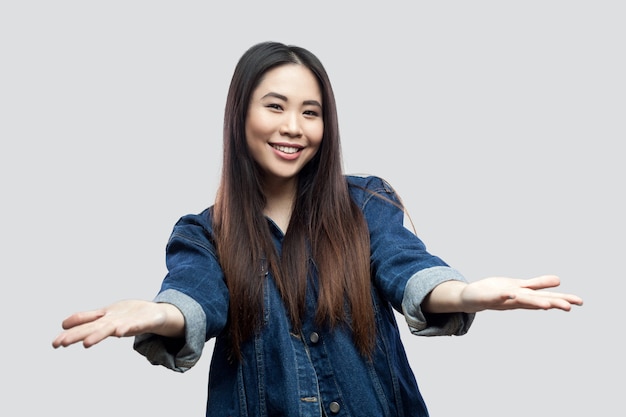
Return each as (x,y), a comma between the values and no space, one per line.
(326,230)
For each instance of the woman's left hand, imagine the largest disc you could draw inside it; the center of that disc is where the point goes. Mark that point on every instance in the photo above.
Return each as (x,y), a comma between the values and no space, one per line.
(500,293)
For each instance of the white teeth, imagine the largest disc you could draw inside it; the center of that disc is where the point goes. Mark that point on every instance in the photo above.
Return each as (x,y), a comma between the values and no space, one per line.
(285,149)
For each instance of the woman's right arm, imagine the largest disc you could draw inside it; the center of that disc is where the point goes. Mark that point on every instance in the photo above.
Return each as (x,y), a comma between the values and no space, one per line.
(121,319)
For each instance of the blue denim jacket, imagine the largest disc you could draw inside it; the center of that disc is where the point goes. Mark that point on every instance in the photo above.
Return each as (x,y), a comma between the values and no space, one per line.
(315,371)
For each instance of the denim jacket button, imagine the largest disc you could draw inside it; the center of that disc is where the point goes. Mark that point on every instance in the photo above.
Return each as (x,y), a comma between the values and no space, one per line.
(334,407)
(314,337)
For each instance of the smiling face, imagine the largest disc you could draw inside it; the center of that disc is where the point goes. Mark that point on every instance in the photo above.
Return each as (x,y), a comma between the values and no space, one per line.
(284,125)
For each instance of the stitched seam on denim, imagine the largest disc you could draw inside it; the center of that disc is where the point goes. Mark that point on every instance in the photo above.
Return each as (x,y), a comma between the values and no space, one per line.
(194,241)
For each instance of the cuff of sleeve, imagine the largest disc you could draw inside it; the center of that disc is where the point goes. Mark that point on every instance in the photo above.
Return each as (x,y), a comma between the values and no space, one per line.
(423,324)
(176,354)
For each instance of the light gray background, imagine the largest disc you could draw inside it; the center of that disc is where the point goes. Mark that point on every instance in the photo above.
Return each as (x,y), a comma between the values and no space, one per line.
(501,124)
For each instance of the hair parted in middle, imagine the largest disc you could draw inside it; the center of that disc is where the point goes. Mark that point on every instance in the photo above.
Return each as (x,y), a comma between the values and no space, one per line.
(327,231)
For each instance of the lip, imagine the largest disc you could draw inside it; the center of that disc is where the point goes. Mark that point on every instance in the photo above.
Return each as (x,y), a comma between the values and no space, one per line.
(285,155)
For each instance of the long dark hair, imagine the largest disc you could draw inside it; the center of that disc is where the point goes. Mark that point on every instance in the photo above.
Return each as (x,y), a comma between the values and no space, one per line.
(325,227)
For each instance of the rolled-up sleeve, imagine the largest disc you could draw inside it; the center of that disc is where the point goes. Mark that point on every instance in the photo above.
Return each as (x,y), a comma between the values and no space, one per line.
(423,324)
(176,354)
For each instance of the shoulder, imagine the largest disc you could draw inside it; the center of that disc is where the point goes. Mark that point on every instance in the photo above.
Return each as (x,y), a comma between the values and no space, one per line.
(364,187)
(200,220)
(195,228)
(368,182)
(377,200)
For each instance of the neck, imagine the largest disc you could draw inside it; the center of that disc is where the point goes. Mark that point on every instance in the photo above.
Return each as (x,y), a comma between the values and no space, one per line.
(279,202)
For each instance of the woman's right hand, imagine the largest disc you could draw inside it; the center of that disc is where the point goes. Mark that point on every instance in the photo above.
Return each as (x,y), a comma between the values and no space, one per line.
(121,319)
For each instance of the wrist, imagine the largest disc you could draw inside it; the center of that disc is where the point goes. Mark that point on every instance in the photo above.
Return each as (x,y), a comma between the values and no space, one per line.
(445,298)
(173,324)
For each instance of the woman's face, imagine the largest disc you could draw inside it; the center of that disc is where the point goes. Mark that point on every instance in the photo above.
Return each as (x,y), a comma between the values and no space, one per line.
(284,126)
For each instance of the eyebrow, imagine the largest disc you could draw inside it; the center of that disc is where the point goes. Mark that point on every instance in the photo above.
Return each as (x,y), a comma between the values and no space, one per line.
(284,98)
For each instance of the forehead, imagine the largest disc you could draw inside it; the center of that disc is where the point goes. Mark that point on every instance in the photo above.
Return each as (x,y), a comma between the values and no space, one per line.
(290,79)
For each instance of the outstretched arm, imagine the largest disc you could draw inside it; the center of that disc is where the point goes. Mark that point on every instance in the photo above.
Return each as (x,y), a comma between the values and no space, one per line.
(121,319)
(499,293)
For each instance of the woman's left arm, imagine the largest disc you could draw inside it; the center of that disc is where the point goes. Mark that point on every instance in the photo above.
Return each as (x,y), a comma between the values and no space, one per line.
(498,293)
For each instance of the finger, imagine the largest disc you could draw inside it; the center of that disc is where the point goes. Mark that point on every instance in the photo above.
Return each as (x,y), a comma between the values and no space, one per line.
(574,299)
(97,337)
(569,298)
(77,319)
(70,337)
(543,281)
(66,339)
(89,334)
(58,341)
(546,301)
(109,328)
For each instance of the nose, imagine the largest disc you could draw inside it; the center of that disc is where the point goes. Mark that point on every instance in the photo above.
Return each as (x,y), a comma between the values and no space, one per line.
(291,125)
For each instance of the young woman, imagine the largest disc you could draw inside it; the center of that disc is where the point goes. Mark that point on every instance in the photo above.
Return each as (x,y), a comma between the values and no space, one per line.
(297,268)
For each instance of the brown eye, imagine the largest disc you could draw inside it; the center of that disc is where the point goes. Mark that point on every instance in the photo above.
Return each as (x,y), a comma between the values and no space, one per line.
(312,113)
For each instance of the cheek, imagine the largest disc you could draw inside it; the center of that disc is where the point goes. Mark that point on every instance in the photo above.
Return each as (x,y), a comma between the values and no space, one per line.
(315,134)
(257,127)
